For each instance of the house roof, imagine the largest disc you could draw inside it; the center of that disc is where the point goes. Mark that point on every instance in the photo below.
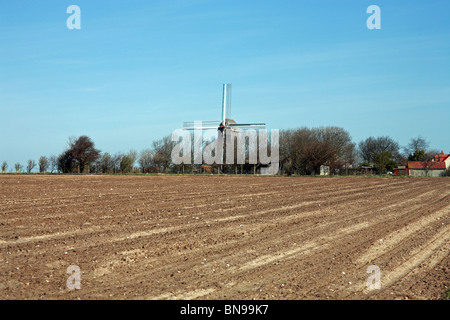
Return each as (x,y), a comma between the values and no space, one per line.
(441,157)
(426,165)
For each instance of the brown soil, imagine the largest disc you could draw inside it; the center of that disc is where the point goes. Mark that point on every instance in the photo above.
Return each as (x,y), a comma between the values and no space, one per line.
(210,237)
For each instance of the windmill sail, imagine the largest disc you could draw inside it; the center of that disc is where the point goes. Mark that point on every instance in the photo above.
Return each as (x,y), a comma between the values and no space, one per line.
(226,102)
(201,125)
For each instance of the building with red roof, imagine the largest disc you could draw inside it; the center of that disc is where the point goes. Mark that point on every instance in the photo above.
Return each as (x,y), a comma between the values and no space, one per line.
(437,167)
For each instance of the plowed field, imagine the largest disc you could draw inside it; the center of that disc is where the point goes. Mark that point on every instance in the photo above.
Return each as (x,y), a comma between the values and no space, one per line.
(223,237)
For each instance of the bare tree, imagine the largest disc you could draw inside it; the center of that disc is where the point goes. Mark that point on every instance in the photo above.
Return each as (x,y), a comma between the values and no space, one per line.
(163,152)
(286,154)
(4,166)
(127,161)
(146,160)
(133,156)
(319,153)
(372,147)
(43,164)
(18,167)
(340,146)
(350,156)
(304,150)
(416,144)
(106,163)
(300,139)
(116,159)
(53,163)
(367,149)
(30,165)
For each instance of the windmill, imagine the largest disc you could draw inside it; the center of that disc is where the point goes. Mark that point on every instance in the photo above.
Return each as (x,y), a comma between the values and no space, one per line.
(226,123)
(225,130)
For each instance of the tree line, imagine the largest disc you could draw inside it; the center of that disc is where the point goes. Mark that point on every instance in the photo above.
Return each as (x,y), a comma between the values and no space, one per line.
(303,151)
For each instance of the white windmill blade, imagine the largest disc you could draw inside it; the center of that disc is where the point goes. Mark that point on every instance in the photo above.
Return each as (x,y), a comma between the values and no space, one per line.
(226,102)
(199,128)
(201,125)
(243,125)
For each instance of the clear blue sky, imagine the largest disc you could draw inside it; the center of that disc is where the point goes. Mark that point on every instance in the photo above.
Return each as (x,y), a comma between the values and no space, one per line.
(137,69)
